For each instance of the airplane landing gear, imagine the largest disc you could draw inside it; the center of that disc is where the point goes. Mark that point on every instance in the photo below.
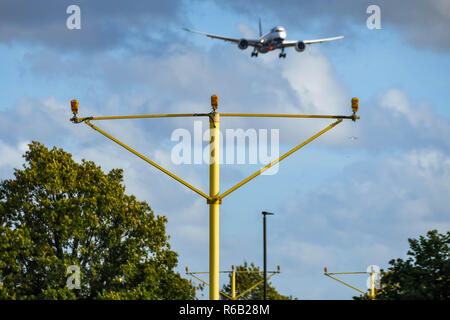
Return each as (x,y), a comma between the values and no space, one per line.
(282,54)
(254,53)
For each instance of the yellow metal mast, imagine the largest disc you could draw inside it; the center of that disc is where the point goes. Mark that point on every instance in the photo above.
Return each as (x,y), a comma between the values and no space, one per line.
(372,283)
(214,199)
(233,283)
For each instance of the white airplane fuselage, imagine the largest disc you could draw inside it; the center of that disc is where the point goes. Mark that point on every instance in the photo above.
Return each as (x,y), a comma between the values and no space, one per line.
(272,40)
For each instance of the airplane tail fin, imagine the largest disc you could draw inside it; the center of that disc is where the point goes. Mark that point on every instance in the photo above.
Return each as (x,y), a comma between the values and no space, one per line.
(260,29)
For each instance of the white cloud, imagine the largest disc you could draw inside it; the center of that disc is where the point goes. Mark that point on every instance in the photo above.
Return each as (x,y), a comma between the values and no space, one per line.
(11,156)
(393,122)
(443,7)
(395,100)
(391,197)
(246,31)
(308,254)
(312,77)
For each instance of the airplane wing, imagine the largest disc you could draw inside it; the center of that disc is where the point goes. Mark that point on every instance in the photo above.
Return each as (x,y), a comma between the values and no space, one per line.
(251,42)
(292,43)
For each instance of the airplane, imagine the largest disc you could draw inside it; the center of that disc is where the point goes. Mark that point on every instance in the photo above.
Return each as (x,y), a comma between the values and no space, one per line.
(274,39)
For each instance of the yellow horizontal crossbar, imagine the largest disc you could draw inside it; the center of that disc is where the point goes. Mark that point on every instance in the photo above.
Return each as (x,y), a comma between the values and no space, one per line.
(237,271)
(257,173)
(261,115)
(148,160)
(334,273)
(146,116)
(269,115)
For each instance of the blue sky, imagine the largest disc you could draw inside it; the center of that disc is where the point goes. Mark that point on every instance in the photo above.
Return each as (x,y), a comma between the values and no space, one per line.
(340,203)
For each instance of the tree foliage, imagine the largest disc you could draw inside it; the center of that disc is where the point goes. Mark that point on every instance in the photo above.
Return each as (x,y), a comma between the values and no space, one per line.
(56,212)
(245,280)
(425,275)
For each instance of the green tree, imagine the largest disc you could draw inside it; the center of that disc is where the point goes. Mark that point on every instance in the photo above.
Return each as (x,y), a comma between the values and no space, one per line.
(56,213)
(245,280)
(425,275)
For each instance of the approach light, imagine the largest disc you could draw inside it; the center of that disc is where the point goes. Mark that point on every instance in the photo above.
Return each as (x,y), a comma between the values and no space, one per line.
(74,105)
(214,102)
(355,104)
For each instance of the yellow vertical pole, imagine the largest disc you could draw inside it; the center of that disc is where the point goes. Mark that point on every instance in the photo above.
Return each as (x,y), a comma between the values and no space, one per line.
(233,283)
(372,283)
(214,170)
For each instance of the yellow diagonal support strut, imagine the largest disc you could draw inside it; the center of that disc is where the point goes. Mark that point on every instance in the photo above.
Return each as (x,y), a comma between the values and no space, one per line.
(240,184)
(206,283)
(372,281)
(252,287)
(147,160)
(328,275)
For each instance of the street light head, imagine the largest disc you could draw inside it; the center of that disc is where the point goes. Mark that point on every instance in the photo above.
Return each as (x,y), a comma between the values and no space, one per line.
(267,213)
(214,102)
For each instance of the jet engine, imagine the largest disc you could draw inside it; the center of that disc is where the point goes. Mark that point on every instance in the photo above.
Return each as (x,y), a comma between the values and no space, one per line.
(243,44)
(300,46)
